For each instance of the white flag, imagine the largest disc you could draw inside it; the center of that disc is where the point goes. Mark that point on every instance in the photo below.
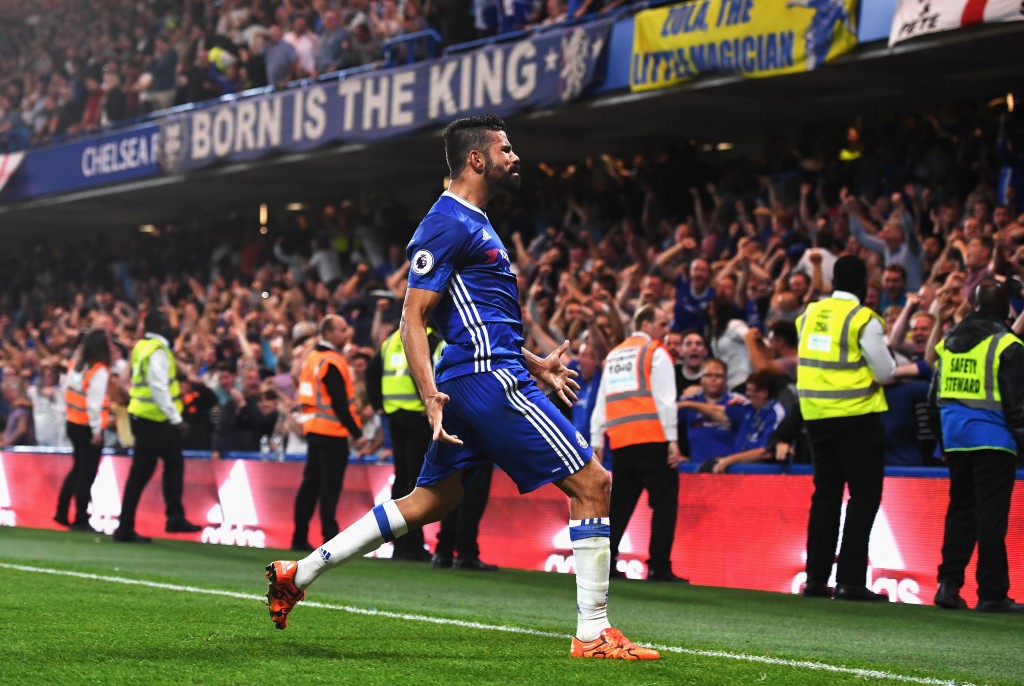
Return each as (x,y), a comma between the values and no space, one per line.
(8,165)
(920,17)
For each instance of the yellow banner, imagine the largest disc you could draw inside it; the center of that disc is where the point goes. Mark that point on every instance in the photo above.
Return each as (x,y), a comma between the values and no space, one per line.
(750,38)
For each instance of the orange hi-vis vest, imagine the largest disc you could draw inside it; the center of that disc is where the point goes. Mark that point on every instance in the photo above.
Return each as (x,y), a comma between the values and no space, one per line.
(630,411)
(317,412)
(74,399)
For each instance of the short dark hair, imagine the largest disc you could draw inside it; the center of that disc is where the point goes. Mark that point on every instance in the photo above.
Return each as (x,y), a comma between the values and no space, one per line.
(644,313)
(715,360)
(685,333)
(327,324)
(987,242)
(991,298)
(764,380)
(850,274)
(463,135)
(156,322)
(897,268)
(785,332)
(608,282)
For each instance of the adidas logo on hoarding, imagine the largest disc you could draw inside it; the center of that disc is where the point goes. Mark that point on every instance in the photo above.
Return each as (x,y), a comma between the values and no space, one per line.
(8,517)
(105,502)
(235,513)
(885,562)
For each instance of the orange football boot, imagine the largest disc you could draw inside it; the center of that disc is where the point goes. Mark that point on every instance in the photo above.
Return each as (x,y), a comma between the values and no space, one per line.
(282,595)
(613,645)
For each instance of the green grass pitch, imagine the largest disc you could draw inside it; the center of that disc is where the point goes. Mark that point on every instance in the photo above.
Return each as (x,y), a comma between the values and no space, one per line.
(79,609)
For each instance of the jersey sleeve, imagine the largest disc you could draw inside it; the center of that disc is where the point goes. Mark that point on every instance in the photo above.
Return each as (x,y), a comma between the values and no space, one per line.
(737,414)
(435,252)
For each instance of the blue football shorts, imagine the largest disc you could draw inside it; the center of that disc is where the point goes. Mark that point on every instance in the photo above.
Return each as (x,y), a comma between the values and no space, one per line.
(503,417)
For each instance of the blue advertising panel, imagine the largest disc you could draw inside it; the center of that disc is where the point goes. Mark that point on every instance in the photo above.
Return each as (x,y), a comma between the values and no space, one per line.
(126,155)
(547,70)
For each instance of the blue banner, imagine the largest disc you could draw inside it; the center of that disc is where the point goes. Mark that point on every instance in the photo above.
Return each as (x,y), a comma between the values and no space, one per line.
(110,158)
(875,20)
(546,70)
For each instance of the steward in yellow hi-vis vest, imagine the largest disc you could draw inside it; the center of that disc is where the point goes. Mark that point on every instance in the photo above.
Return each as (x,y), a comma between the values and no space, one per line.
(977,395)
(842,365)
(142,403)
(398,390)
(330,418)
(967,384)
(834,379)
(391,388)
(88,413)
(155,412)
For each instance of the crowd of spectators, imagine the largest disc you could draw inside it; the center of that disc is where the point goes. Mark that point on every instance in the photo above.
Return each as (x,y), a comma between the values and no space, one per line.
(733,248)
(72,66)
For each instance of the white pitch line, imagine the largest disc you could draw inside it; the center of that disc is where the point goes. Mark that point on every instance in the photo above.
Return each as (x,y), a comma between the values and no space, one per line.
(743,657)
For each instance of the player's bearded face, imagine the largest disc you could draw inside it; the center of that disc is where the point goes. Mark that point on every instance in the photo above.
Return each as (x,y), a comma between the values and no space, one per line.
(506,179)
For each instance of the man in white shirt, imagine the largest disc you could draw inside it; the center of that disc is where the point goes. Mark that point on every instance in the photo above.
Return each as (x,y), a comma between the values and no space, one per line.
(636,407)
(304,42)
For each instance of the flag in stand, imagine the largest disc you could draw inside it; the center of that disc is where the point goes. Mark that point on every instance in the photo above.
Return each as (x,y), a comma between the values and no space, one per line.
(8,165)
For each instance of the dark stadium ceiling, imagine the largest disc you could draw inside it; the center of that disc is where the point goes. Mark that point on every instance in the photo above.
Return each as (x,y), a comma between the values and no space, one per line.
(875,80)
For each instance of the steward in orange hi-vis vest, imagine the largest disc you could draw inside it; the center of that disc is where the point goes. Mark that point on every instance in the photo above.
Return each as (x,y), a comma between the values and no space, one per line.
(88,414)
(318,413)
(75,396)
(632,416)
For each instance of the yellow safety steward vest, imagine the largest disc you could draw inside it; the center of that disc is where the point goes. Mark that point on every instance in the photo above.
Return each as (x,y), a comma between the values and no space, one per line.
(142,403)
(833,379)
(397,386)
(972,378)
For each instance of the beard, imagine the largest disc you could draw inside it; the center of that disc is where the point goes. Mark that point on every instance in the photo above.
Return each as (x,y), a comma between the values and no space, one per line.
(505,181)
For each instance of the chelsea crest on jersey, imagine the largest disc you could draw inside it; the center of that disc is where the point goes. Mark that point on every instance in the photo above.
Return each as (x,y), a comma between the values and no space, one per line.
(456,252)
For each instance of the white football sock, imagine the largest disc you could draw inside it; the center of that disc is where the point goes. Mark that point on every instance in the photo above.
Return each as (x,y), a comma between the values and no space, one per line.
(380,525)
(590,547)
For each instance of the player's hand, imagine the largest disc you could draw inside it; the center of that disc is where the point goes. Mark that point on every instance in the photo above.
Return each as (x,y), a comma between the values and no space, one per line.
(598,452)
(558,376)
(435,414)
(781,451)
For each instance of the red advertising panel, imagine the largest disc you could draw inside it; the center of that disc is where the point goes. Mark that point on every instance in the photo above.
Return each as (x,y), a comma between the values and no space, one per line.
(740,531)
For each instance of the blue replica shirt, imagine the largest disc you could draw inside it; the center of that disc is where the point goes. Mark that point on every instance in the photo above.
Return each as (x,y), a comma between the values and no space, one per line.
(707,439)
(583,408)
(754,426)
(455,251)
(690,311)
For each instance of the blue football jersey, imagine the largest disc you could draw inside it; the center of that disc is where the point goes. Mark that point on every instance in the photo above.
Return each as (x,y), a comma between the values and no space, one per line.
(456,252)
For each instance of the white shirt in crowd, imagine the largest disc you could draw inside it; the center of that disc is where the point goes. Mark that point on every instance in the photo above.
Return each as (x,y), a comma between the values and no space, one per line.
(49,416)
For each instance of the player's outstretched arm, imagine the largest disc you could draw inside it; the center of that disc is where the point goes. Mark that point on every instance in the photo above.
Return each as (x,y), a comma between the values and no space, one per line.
(551,371)
(419,303)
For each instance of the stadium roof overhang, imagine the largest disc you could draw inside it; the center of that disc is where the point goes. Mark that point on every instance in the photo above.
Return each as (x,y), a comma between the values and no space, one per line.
(873,80)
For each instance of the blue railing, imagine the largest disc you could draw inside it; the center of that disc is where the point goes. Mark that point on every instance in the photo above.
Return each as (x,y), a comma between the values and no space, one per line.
(429,40)
(686,467)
